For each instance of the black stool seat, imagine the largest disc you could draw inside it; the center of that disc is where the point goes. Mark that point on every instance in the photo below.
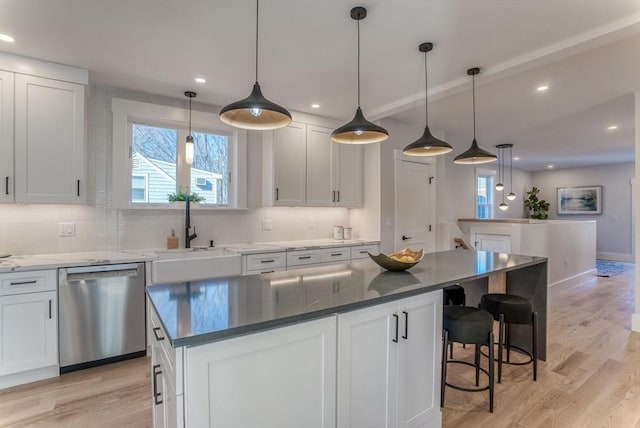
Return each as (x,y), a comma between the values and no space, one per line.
(516,309)
(466,324)
(453,295)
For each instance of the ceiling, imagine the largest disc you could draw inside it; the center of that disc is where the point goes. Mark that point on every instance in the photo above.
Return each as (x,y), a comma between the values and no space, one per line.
(586,51)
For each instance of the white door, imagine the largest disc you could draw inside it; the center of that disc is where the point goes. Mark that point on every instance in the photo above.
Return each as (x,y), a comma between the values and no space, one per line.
(28,332)
(49,141)
(289,169)
(6,137)
(492,242)
(320,184)
(367,361)
(415,206)
(419,361)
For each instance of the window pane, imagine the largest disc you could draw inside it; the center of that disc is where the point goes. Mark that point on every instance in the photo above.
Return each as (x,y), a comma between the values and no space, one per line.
(138,188)
(484,200)
(210,169)
(154,156)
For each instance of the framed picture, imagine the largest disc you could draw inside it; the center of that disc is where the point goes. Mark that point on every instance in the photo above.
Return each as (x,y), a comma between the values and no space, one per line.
(580,200)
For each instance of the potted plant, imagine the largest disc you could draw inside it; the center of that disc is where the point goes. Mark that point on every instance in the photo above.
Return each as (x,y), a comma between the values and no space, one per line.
(537,207)
(182,196)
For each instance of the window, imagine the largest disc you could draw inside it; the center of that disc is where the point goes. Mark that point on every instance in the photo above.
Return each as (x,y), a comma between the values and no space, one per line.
(149,164)
(484,193)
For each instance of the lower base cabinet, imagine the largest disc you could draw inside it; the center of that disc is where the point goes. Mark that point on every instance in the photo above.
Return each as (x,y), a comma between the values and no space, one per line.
(369,368)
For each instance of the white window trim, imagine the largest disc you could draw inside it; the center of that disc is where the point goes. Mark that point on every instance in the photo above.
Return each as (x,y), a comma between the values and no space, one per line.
(125,112)
(481,172)
(146,187)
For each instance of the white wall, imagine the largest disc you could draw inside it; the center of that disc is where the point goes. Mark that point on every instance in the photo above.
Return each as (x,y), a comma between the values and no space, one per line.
(614,226)
(33,229)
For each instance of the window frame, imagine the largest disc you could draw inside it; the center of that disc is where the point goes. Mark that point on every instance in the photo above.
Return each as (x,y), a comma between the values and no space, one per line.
(127,112)
(481,172)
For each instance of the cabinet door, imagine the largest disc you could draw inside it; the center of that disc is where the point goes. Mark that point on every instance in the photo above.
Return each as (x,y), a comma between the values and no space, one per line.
(367,361)
(289,169)
(321,190)
(419,361)
(282,378)
(49,141)
(28,332)
(348,174)
(6,137)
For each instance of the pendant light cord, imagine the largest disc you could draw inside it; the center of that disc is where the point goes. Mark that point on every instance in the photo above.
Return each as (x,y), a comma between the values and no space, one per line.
(426,95)
(358,63)
(256,41)
(190,115)
(510,170)
(473,86)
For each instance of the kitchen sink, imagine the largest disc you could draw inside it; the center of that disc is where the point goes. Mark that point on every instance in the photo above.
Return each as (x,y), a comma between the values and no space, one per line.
(191,264)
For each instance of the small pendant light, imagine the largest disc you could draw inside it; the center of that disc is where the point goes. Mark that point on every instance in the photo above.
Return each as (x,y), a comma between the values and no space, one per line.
(427,145)
(511,196)
(255,112)
(359,130)
(189,148)
(500,184)
(474,155)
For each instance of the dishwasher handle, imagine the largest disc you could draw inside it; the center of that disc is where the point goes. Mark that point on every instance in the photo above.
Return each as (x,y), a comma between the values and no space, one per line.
(99,272)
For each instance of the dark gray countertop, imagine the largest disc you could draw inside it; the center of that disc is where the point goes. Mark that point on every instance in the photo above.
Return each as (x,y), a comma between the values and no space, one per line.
(199,312)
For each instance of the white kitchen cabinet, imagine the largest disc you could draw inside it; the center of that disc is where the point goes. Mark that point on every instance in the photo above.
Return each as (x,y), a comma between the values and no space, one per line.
(282,378)
(321,184)
(49,141)
(6,137)
(264,263)
(347,170)
(28,327)
(289,165)
(388,364)
(360,252)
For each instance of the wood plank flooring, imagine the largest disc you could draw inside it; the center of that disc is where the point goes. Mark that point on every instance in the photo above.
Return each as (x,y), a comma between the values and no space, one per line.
(591,377)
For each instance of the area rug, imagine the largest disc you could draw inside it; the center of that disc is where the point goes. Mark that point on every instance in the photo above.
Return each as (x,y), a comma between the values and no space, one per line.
(610,268)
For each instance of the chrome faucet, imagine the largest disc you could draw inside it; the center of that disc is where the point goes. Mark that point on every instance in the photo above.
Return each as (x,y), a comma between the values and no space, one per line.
(188,236)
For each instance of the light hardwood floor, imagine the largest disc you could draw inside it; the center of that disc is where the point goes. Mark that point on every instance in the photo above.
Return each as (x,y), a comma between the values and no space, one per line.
(590,379)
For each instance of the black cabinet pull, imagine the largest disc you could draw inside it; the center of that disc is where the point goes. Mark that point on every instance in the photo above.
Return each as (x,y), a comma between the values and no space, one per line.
(303,257)
(156,394)
(267,261)
(155,333)
(334,196)
(50,301)
(23,282)
(78,187)
(338,196)
(396,338)
(406,325)
(277,194)
(6,185)
(267,271)
(335,254)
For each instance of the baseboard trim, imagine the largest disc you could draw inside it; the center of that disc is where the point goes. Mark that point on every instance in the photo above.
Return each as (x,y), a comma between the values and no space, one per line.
(29,376)
(575,279)
(616,257)
(635,322)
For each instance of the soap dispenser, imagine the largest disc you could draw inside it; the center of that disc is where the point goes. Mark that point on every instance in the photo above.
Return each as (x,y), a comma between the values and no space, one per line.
(172,241)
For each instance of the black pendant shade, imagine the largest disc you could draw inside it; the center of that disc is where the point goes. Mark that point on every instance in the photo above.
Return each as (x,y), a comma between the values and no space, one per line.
(359,130)
(427,144)
(255,112)
(474,155)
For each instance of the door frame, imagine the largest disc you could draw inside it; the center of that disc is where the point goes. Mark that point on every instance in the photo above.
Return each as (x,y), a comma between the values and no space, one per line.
(398,158)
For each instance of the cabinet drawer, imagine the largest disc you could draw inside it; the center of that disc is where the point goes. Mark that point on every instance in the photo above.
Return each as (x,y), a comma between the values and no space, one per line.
(27,282)
(360,252)
(265,262)
(266,270)
(336,254)
(304,257)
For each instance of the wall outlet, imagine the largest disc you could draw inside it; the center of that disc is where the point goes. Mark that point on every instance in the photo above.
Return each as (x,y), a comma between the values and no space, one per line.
(267,224)
(66,229)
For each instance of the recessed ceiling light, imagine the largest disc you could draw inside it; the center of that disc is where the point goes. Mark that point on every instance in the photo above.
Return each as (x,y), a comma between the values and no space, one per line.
(315,105)
(516,158)
(612,127)
(549,166)
(200,80)
(542,88)
(7,38)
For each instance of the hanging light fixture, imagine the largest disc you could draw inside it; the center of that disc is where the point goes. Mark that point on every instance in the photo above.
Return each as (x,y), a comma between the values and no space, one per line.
(255,112)
(474,155)
(511,196)
(499,184)
(359,130)
(427,145)
(189,148)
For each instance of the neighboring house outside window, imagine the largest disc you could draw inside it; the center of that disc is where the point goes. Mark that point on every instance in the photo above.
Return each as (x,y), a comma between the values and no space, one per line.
(139,188)
(484,193)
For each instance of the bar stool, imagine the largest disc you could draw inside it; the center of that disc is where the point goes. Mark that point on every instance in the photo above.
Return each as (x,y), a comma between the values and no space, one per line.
(453,295)
(464,324)
(510,309)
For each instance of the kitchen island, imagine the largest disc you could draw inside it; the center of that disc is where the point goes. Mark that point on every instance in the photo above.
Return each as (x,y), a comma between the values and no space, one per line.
(341,345)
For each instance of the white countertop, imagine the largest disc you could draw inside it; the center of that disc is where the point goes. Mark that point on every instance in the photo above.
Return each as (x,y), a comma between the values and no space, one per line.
(53,261)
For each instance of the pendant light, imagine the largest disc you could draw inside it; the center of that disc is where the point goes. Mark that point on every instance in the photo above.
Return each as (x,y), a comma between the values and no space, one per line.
(500,183)
(474,155)
(189,147)
(511,196)
(255,112)
(427,145)
(359,130)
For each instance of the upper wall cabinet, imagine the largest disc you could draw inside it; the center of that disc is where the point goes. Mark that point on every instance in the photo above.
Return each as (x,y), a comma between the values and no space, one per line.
(42,131)
(302,167)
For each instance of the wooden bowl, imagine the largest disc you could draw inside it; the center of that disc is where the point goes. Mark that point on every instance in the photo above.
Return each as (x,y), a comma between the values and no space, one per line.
(393,264)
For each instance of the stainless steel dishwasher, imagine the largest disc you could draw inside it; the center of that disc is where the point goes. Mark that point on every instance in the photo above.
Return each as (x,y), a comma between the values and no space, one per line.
(101,314)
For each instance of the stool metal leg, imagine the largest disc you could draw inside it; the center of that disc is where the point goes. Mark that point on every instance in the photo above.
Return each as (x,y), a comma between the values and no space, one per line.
(443,379)
(508,341)
(501,329)
(477,363)
(491,368)
(534,345)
